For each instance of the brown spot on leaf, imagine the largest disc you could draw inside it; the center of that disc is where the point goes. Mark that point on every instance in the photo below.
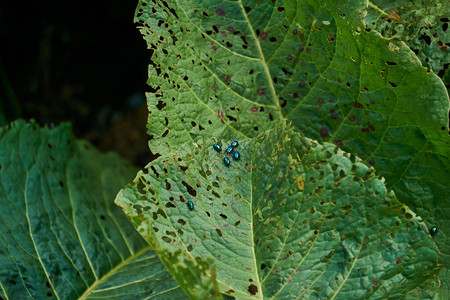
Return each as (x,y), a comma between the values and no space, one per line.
(394,16)
(228,77)
(252,289)
(263,35)
(338,143)
(254,109)
(398,260)
(220,11)
(323,132)
(374,282)
(261,92)
(220,115)
(358,105)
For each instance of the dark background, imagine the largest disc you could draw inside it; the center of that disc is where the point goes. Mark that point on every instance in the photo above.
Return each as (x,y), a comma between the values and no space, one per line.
(82,62)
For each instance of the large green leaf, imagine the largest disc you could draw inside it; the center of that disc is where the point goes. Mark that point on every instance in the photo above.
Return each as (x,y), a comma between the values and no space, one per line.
(290,219)
(61,236)
(232,69)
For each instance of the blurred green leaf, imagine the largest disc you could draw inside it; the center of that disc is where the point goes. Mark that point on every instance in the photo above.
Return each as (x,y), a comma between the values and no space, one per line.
(61,234)
(291,218)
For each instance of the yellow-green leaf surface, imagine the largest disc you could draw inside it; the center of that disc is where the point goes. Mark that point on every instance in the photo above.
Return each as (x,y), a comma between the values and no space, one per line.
(231,69)
(61,236)
(292,219)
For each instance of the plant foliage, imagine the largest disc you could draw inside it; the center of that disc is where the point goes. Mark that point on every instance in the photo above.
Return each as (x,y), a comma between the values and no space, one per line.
(234,69)
(61,234)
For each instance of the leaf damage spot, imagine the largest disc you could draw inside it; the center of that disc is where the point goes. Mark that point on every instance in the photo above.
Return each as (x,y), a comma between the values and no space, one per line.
(324,132)
(392,84)
(220,115)
(160,105)
(228,78)
(220,11)
(358,105)
(263,35)
(190,189)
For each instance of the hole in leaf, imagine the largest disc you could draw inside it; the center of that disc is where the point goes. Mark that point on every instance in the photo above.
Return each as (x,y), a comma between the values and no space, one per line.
(231,118)
(190,189)
(170,205)
(168,185)
(160,105)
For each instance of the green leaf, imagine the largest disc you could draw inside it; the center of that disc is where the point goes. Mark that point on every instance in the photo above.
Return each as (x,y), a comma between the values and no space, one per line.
(423,26)
(291,218)
(234,69)
(61,234)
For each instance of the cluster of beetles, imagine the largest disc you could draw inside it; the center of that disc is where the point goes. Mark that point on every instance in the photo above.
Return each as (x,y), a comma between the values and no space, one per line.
(226,161)
(229,150)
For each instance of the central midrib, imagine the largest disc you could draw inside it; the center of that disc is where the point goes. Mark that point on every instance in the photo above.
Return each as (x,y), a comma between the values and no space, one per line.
(263,62)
